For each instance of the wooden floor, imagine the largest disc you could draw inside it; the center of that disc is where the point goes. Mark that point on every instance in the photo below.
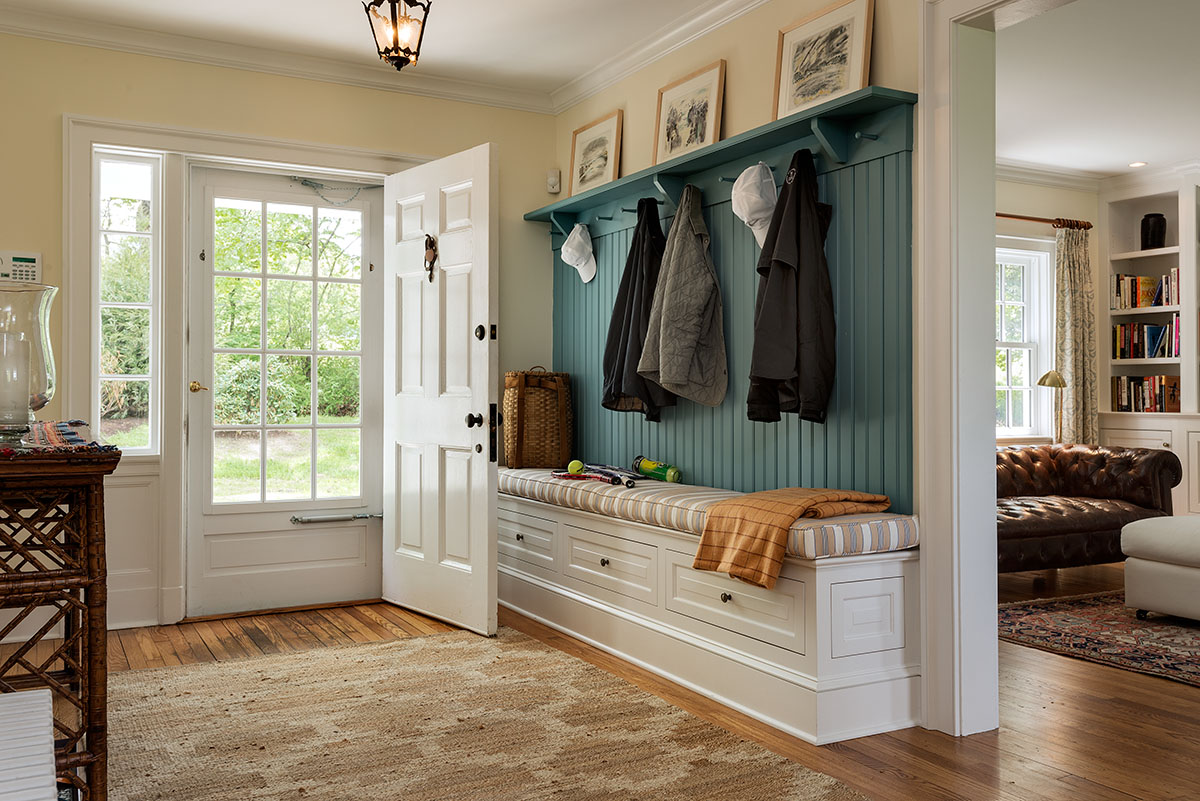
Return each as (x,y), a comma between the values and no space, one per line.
(217,640)
(1070,730)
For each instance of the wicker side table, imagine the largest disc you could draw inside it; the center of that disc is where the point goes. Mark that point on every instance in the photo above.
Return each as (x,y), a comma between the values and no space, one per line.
(53,594)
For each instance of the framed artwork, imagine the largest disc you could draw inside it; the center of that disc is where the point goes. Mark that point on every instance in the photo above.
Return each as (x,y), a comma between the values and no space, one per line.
(823,56)
(689,112)
(596,152)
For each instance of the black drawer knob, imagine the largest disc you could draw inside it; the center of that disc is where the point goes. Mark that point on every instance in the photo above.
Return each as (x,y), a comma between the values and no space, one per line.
(604,561)
(520,537)
(726,597)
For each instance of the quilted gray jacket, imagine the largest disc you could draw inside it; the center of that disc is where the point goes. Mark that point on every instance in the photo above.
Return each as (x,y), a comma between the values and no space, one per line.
(685,344)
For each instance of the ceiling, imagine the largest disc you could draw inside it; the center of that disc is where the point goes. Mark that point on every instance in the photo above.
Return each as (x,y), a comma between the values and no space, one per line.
(1096,84)
(530,47)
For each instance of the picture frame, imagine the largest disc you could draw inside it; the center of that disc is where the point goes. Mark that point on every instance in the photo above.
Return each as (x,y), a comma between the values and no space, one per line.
(596,152)
(689,112)
(823,56)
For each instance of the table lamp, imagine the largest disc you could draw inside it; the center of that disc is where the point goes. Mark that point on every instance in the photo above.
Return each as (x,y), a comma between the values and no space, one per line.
(1053,378)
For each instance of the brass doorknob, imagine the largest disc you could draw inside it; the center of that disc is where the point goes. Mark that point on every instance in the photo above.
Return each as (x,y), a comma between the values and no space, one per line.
(196,386)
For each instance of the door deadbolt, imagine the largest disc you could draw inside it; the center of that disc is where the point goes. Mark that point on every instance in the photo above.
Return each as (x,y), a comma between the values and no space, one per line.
(196,386)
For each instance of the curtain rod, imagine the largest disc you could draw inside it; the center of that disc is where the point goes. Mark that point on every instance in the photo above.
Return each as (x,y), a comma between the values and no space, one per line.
(1057,222)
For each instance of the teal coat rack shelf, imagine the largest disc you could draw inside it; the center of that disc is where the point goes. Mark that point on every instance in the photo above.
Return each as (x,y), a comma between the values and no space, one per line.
(854,127)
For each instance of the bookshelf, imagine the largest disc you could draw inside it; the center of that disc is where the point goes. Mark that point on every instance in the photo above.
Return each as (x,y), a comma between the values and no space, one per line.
(1149,339)
(1122,203)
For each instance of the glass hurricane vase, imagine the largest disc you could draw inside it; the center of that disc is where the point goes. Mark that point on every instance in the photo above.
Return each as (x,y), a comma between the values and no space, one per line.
(25,355)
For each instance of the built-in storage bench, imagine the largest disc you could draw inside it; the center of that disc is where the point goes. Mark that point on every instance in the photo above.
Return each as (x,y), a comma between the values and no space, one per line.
(831,653)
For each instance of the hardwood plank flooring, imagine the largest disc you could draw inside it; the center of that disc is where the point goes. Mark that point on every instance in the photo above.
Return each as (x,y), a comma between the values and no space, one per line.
(1070,730)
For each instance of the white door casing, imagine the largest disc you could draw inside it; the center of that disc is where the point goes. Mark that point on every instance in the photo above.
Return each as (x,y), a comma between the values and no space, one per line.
(439,473)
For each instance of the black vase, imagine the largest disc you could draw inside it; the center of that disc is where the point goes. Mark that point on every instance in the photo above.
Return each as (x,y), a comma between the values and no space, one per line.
(1154,231)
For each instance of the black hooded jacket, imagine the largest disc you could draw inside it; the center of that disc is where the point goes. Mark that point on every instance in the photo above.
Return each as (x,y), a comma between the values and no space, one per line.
(624,389)
(794,356)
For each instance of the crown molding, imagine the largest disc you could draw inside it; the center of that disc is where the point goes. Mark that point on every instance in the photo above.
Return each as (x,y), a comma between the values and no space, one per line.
(708,17)
(1019,172)
(275,62)
(121,38)
(1166,175)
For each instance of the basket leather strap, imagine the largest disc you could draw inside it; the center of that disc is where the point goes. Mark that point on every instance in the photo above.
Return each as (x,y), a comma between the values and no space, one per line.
(519,448)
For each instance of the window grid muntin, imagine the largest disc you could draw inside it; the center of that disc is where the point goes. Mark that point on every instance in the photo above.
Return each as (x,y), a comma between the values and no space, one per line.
(101,157)
(1030,262)
(265,276)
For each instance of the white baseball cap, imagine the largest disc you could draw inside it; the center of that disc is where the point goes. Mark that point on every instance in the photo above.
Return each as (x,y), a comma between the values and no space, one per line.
(577,252)
(753,199)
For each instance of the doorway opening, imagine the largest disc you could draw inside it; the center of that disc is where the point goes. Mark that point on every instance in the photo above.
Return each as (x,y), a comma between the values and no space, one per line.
(283,420)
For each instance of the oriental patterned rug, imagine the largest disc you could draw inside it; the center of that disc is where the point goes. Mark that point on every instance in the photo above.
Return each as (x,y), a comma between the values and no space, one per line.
(450,716)
(1100,628)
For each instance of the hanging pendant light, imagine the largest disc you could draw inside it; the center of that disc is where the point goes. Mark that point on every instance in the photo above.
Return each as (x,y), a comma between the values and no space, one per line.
(398,33)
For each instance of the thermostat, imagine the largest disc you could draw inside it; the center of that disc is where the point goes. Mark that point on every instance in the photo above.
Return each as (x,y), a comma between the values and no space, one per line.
(17,266)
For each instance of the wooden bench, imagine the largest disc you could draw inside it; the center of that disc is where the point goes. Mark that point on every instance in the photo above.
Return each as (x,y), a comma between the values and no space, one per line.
(832,653)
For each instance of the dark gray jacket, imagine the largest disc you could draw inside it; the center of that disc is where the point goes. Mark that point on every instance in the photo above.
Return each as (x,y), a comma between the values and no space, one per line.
(685,343)
(794,356)
(624,389)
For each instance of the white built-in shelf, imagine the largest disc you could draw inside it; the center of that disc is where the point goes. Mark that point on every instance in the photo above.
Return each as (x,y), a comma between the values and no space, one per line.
(1142,310)
(1143,414)
(1145,254)
(1136,362)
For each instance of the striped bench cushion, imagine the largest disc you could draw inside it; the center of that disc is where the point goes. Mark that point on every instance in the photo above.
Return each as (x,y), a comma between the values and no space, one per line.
(682,507)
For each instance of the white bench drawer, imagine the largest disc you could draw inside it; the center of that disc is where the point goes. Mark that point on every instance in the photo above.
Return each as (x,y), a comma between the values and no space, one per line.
(528,538)
(774,616)
(622,566)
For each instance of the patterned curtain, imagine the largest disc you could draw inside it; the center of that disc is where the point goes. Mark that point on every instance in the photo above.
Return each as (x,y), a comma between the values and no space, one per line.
(1075,336)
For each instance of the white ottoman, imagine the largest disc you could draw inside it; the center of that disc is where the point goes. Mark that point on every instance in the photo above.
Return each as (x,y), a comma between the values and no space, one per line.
(1162,571)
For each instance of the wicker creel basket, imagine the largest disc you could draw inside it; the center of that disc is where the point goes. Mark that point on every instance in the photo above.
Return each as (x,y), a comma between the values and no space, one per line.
(538,418)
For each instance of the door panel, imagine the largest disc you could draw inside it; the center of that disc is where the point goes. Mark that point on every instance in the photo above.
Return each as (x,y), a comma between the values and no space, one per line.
(288,405)
(440,543)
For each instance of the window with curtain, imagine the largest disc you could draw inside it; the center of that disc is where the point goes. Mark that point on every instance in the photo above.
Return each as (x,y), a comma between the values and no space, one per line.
(1024,337)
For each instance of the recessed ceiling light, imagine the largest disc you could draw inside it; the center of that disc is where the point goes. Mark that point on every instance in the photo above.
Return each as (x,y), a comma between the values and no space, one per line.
(1137,164)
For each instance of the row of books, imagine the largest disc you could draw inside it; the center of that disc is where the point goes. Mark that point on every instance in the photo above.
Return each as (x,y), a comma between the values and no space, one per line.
(1146,341)
(1145,393)
(1138,291)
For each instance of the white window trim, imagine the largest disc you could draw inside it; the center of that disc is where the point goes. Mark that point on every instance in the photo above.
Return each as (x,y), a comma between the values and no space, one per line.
(1041,317)
(155,161)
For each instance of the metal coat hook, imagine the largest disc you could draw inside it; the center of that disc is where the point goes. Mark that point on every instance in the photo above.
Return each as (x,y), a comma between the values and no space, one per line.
(431,255)
(861,135)
(606,219)
(629,211)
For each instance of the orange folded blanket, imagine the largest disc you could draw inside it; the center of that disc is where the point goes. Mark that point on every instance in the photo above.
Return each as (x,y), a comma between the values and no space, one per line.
(746,536)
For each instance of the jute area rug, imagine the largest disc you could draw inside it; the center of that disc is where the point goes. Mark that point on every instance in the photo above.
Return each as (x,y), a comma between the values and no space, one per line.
(451,716)
(1100,628)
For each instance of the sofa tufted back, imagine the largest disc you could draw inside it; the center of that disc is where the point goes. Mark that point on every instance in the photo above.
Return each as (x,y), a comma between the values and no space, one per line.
(1140,476)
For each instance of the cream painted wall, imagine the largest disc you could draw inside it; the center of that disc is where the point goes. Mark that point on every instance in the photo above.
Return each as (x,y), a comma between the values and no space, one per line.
(748,44)
(1036,200)
(43,80)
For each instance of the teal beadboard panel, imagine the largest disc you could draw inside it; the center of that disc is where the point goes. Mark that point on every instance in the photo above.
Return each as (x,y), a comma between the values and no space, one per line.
(866,442)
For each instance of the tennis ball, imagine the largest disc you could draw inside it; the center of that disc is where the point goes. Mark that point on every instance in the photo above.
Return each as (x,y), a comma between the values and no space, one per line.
(575,467)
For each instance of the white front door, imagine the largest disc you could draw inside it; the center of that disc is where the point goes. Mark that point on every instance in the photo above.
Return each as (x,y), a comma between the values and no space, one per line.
(286,401)
(440,388)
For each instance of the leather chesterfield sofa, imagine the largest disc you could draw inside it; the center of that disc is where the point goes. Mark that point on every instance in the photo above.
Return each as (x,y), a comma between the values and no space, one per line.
(1064,505)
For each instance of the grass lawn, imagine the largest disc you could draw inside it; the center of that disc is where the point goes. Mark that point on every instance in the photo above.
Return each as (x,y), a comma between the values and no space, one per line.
(236,458)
